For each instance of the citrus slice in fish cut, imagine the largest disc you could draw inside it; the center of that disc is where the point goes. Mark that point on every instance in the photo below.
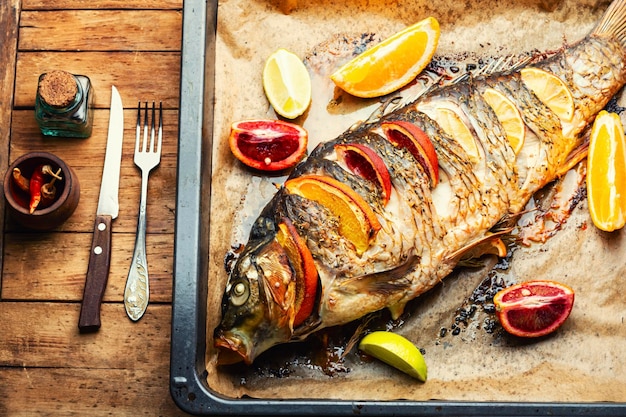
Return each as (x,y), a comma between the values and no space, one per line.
(533,308)
(606,172)
(551,90)
(391,64)
(357,221)
(287,84)
(397,351)
(406,135)
(452,124)
(509,116)
(365,162)
(268,145)
(302,262)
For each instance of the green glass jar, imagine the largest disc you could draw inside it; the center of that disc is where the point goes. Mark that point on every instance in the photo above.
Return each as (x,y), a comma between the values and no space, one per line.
(64,105)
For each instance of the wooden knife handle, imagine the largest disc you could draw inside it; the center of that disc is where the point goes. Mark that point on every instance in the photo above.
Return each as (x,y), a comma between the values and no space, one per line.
(97,275)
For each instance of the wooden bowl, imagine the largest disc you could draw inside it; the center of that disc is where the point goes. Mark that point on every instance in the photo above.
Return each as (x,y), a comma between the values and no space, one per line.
(48,215)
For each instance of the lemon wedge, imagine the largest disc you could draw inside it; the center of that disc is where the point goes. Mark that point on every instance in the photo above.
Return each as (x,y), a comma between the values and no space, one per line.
(287,83)
(397,351)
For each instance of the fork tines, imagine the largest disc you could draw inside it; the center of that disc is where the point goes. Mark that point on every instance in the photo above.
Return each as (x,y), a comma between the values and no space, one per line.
(144,146)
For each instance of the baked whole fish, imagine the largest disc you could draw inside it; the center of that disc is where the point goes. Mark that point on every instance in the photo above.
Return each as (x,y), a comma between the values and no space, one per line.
(307,266)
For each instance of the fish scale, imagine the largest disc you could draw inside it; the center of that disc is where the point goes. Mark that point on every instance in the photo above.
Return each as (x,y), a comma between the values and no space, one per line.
(425,232)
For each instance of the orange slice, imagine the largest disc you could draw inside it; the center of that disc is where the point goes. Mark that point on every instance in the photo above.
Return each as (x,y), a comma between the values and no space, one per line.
(551,90)
(357,221)
(509,116)
(452,124)
(606,172)
(534,308)
(302,262)
(365,162)
(392,63)
(268,145)
(287,84)
(406,135)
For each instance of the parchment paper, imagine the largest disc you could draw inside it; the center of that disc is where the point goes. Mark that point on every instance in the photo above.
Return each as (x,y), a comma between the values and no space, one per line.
(582,361)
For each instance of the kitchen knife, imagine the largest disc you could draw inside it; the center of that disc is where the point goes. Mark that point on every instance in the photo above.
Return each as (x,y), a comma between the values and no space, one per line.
(108,207)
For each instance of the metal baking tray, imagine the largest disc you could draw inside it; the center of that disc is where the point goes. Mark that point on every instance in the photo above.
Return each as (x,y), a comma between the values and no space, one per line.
(188,382)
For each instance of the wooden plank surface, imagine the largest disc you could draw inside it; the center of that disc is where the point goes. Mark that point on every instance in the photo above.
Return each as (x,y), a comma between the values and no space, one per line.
(9,15)
(101,4)
(51,369)
(64,256)
(47,367)
(138,30)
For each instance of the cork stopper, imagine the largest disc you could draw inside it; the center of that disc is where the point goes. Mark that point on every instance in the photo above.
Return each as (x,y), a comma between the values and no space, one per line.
(58,88)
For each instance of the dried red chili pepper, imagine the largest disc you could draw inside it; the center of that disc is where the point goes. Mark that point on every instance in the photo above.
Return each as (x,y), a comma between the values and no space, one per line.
(21,181)
(37,181)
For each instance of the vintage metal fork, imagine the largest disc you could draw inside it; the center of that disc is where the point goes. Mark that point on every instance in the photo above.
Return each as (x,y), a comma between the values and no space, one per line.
(147,156)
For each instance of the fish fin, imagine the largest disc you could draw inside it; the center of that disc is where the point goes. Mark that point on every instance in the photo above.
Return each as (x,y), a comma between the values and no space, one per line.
(305,329)
(382,282)
(388,105)
(509,63)
(490,244)
(442,72)
(613,22)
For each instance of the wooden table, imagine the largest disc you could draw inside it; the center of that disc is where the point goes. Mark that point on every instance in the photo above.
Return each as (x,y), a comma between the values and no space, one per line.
(46,366)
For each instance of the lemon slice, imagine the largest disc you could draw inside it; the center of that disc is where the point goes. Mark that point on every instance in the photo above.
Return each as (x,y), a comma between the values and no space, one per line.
(287,84)
(551,90)
(452,124)
(509,116)
(392,63)
(606,172)
(397,351)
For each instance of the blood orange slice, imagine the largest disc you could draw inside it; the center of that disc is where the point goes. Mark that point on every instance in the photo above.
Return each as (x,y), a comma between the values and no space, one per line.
(268,145)
(365,162)
(407,135)
(533,308)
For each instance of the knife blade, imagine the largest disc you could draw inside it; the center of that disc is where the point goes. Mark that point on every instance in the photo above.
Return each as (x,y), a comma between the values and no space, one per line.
(108,208)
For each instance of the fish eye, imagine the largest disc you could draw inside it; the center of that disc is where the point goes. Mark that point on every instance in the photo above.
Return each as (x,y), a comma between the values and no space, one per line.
(239,293)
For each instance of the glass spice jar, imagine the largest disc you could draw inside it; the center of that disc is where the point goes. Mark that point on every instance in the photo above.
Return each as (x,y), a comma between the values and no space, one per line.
(64,104)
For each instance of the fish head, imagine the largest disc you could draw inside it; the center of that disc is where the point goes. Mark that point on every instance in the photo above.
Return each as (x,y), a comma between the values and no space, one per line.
(258,304)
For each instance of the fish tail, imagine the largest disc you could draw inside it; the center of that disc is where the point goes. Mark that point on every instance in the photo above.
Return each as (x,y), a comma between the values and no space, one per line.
(613,22)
